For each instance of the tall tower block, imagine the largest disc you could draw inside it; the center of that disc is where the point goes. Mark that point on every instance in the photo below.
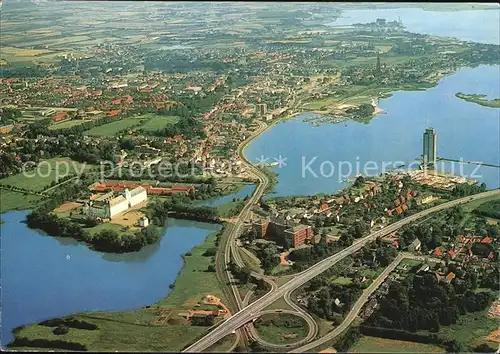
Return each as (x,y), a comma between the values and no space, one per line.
(430,147)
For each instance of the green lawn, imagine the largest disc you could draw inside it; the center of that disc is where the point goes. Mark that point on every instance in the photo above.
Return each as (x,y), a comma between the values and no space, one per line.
(40,178)
(383,345)
(11,200)
(133,331)
(194,282)
(318,104)
(67,124)
(271,328)
(105,226)
(476,203)
(156,122)
(230,209)
(114,128)
(342,281)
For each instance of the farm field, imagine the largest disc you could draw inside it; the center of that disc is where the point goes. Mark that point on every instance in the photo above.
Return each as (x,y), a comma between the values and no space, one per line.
(114,128)
(44,174)
(383,345)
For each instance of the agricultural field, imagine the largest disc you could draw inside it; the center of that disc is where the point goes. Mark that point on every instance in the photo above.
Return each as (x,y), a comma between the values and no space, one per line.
(383,345)
(46,172)
(18,52)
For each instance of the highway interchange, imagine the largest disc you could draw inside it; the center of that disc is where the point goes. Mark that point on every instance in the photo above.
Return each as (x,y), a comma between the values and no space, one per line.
(247,312)
(251,311)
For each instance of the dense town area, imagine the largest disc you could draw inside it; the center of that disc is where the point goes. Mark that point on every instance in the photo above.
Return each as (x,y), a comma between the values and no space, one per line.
(115,122)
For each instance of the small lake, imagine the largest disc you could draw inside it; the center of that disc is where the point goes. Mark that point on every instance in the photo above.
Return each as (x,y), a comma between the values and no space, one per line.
(44,277)
(243,192)
(465,130)
(481,26)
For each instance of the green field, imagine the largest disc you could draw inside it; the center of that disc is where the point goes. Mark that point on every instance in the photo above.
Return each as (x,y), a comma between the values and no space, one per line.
(230,209)
(274,328)
(156,122)
(383,345)
(114,128)
(44,174)
(318,104)
(147,122)
(11,200)
(471,329)
(105,226)
(193,282)
(67,124)
(342,281)
(133,330)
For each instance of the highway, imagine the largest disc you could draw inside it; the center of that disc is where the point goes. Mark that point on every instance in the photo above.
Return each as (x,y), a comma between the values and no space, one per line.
(362,300)
(228,244)
(355,309)
(250,311)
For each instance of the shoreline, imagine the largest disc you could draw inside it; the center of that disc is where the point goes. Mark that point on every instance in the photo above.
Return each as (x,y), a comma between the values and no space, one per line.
(158,303)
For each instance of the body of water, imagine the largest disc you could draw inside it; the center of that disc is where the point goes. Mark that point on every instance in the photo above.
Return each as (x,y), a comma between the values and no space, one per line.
(465,130)
(481,26)
(243,192)
(44,277)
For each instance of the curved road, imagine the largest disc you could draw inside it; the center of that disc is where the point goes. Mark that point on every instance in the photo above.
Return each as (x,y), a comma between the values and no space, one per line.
(250,311)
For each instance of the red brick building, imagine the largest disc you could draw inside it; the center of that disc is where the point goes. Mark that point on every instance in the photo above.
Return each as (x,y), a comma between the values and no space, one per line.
(298,235)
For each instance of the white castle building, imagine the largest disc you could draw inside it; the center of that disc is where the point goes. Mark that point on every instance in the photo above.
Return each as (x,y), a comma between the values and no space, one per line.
(107,206)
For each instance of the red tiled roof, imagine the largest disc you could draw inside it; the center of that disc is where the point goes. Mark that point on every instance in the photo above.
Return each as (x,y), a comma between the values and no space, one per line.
(452,253)
(119,186)
(115,112)
(486,240)
(438,252)
(59,116)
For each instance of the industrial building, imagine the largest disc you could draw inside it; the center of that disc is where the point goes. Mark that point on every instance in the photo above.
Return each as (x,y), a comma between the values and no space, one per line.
(430,147)
(107,205)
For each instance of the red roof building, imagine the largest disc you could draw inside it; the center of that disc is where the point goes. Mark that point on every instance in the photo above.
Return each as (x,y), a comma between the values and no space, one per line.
(59,116)
(452,253)
(114,113)
(438,252)
(486,240)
